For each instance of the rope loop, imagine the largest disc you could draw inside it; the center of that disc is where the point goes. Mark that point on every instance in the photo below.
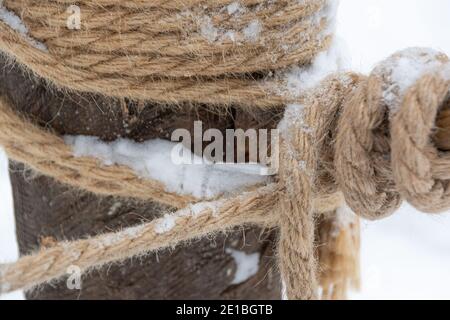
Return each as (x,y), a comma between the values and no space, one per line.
(384,150)
(381,153)
(362,153)
(369,140)
(419,168)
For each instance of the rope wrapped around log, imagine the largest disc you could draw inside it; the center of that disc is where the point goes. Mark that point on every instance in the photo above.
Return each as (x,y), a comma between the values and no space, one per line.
(174,53)
(369,166)
(369,141)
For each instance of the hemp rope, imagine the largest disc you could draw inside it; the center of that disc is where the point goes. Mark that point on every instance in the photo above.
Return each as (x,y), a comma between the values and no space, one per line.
(291,197)
(173,68)
(354,145)
(52,263)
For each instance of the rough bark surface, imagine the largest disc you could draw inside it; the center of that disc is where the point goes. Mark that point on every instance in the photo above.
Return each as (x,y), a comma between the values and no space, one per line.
(46,210)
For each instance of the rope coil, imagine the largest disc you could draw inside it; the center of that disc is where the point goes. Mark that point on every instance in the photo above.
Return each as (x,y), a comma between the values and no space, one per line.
(290,198)
(362,147)
(179,62)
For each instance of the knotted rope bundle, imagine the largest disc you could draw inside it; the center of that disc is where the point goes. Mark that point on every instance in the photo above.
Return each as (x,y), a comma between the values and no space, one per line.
(367,162)
(185,51)
(366,139)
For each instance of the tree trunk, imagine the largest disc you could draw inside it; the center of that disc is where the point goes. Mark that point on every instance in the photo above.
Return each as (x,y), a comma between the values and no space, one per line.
(47,211)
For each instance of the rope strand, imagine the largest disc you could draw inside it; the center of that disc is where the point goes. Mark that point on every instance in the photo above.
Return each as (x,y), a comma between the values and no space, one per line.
(365,139)
(163,65)
(287,203)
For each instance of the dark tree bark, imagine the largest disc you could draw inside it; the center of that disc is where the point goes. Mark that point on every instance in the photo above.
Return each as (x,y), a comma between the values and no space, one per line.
(47,211)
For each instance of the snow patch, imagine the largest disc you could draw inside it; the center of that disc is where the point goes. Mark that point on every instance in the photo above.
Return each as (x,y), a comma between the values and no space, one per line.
(197,209)
(403,69)
(293,117)
(153,160)
(113,209)
(295,81)
(345,217)
(302,165)
(298,79)
(329,12)
(165,224)
(111,239)
(14,22)
(215,34)
(169,221)
(234,8)
(247,265)
(252,31)
(208,30)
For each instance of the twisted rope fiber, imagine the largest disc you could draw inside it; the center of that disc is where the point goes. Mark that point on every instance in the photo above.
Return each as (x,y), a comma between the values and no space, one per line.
(156,25)
(287,204)
(165,65)
(85,173)
(350,147)
(50,264)
(164,4)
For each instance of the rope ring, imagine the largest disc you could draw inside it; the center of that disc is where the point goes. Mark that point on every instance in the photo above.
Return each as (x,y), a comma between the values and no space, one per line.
(415,158)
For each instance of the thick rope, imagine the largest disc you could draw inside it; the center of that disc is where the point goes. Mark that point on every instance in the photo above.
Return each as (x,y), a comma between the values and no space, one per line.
(288,203)
(373,183)
(177,61)
(345,136)
(428,186)
(48,154)
(253,208)
(306,127)
(296,247)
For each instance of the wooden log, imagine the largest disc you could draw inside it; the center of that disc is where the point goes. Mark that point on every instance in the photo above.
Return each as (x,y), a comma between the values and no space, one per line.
(47,211)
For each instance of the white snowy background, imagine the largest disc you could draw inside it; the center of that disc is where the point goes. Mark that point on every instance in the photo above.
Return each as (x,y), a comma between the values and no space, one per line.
(406,256)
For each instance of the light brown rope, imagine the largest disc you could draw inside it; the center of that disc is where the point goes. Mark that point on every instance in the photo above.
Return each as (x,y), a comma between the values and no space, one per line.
(289,203)
(164,4)
(188,224)
(48,154)
(425,171)
(175,62)
(339,137)
(303,140)
(372,186)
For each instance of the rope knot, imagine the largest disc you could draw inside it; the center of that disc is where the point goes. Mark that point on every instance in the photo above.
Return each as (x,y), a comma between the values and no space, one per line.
(384,149)
(370,138)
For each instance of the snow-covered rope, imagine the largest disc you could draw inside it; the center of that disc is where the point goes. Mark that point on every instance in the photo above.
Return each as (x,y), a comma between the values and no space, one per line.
(219,52)
(376,138)
(197,221)
(368,139)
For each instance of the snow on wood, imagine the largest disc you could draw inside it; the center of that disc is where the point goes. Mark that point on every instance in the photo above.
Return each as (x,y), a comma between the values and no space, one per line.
(153,159)
(14,22)
(247,265)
